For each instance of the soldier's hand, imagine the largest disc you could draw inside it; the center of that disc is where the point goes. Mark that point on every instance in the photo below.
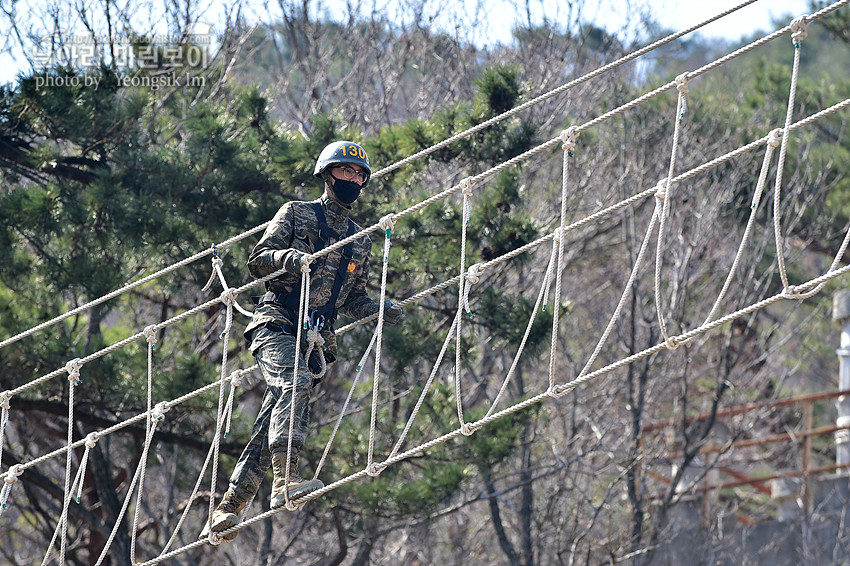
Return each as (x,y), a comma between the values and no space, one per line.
(392,313)
(290,260)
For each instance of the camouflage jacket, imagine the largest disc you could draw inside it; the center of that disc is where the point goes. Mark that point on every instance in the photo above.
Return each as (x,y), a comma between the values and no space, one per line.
(295,228)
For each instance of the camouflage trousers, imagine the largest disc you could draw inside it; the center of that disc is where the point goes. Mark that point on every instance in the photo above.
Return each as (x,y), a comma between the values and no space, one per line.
(275,355)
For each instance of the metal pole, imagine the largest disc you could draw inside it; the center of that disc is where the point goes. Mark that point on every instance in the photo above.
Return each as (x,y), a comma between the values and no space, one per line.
(841,314)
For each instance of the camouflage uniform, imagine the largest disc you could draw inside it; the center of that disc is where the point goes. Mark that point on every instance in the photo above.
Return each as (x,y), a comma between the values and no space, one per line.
(295,227)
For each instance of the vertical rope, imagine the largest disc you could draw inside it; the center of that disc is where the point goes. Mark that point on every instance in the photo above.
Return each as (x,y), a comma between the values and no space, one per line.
(161,407)
(5,407)
(466,185)
(799,34)
(190,501)
(155,417)
(568,145)
(300,326)
(73,369)
(682,86)
(227,297)
(373,469)
(15,470)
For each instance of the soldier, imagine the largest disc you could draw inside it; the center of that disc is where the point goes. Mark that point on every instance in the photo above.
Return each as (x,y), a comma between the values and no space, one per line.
(337,284)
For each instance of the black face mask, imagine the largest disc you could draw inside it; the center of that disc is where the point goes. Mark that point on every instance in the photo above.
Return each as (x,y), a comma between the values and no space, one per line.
(346,191)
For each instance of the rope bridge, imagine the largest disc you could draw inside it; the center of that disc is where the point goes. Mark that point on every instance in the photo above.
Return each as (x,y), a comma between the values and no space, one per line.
(550,292)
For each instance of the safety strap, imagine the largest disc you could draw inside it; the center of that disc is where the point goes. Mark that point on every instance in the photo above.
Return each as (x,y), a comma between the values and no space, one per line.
(326,314)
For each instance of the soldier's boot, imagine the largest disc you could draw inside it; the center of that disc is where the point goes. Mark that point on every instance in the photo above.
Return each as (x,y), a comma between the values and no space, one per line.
(226,515)
(296,486)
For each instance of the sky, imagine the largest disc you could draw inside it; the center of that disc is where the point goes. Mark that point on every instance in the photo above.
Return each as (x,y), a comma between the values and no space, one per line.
(609,14)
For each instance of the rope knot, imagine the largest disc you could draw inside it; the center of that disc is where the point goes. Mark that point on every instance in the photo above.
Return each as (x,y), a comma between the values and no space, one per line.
(661,190)
(217,262)
(5,397)
(215,538)
(159,411)
(682,83)
(672,342)
(468,429)
(73,369)
(228,296)
(793,292)
(387,223)
(91,439)
(798,30)
(556,392)
(237,377)
(466,187)
(150,335)
(557,234)
(13,473)
(568,140)
(315,337)
(305,264)
(774,138)
(374,469)
(473,274)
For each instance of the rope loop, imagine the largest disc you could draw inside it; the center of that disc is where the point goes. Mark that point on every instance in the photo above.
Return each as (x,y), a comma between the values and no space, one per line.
(159,411)
(5,397)
(568,140)
(73,369)
(91,439)
(374,469)
(798,30)
(215,538)
(774,138)
(294,505)
(671,342)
